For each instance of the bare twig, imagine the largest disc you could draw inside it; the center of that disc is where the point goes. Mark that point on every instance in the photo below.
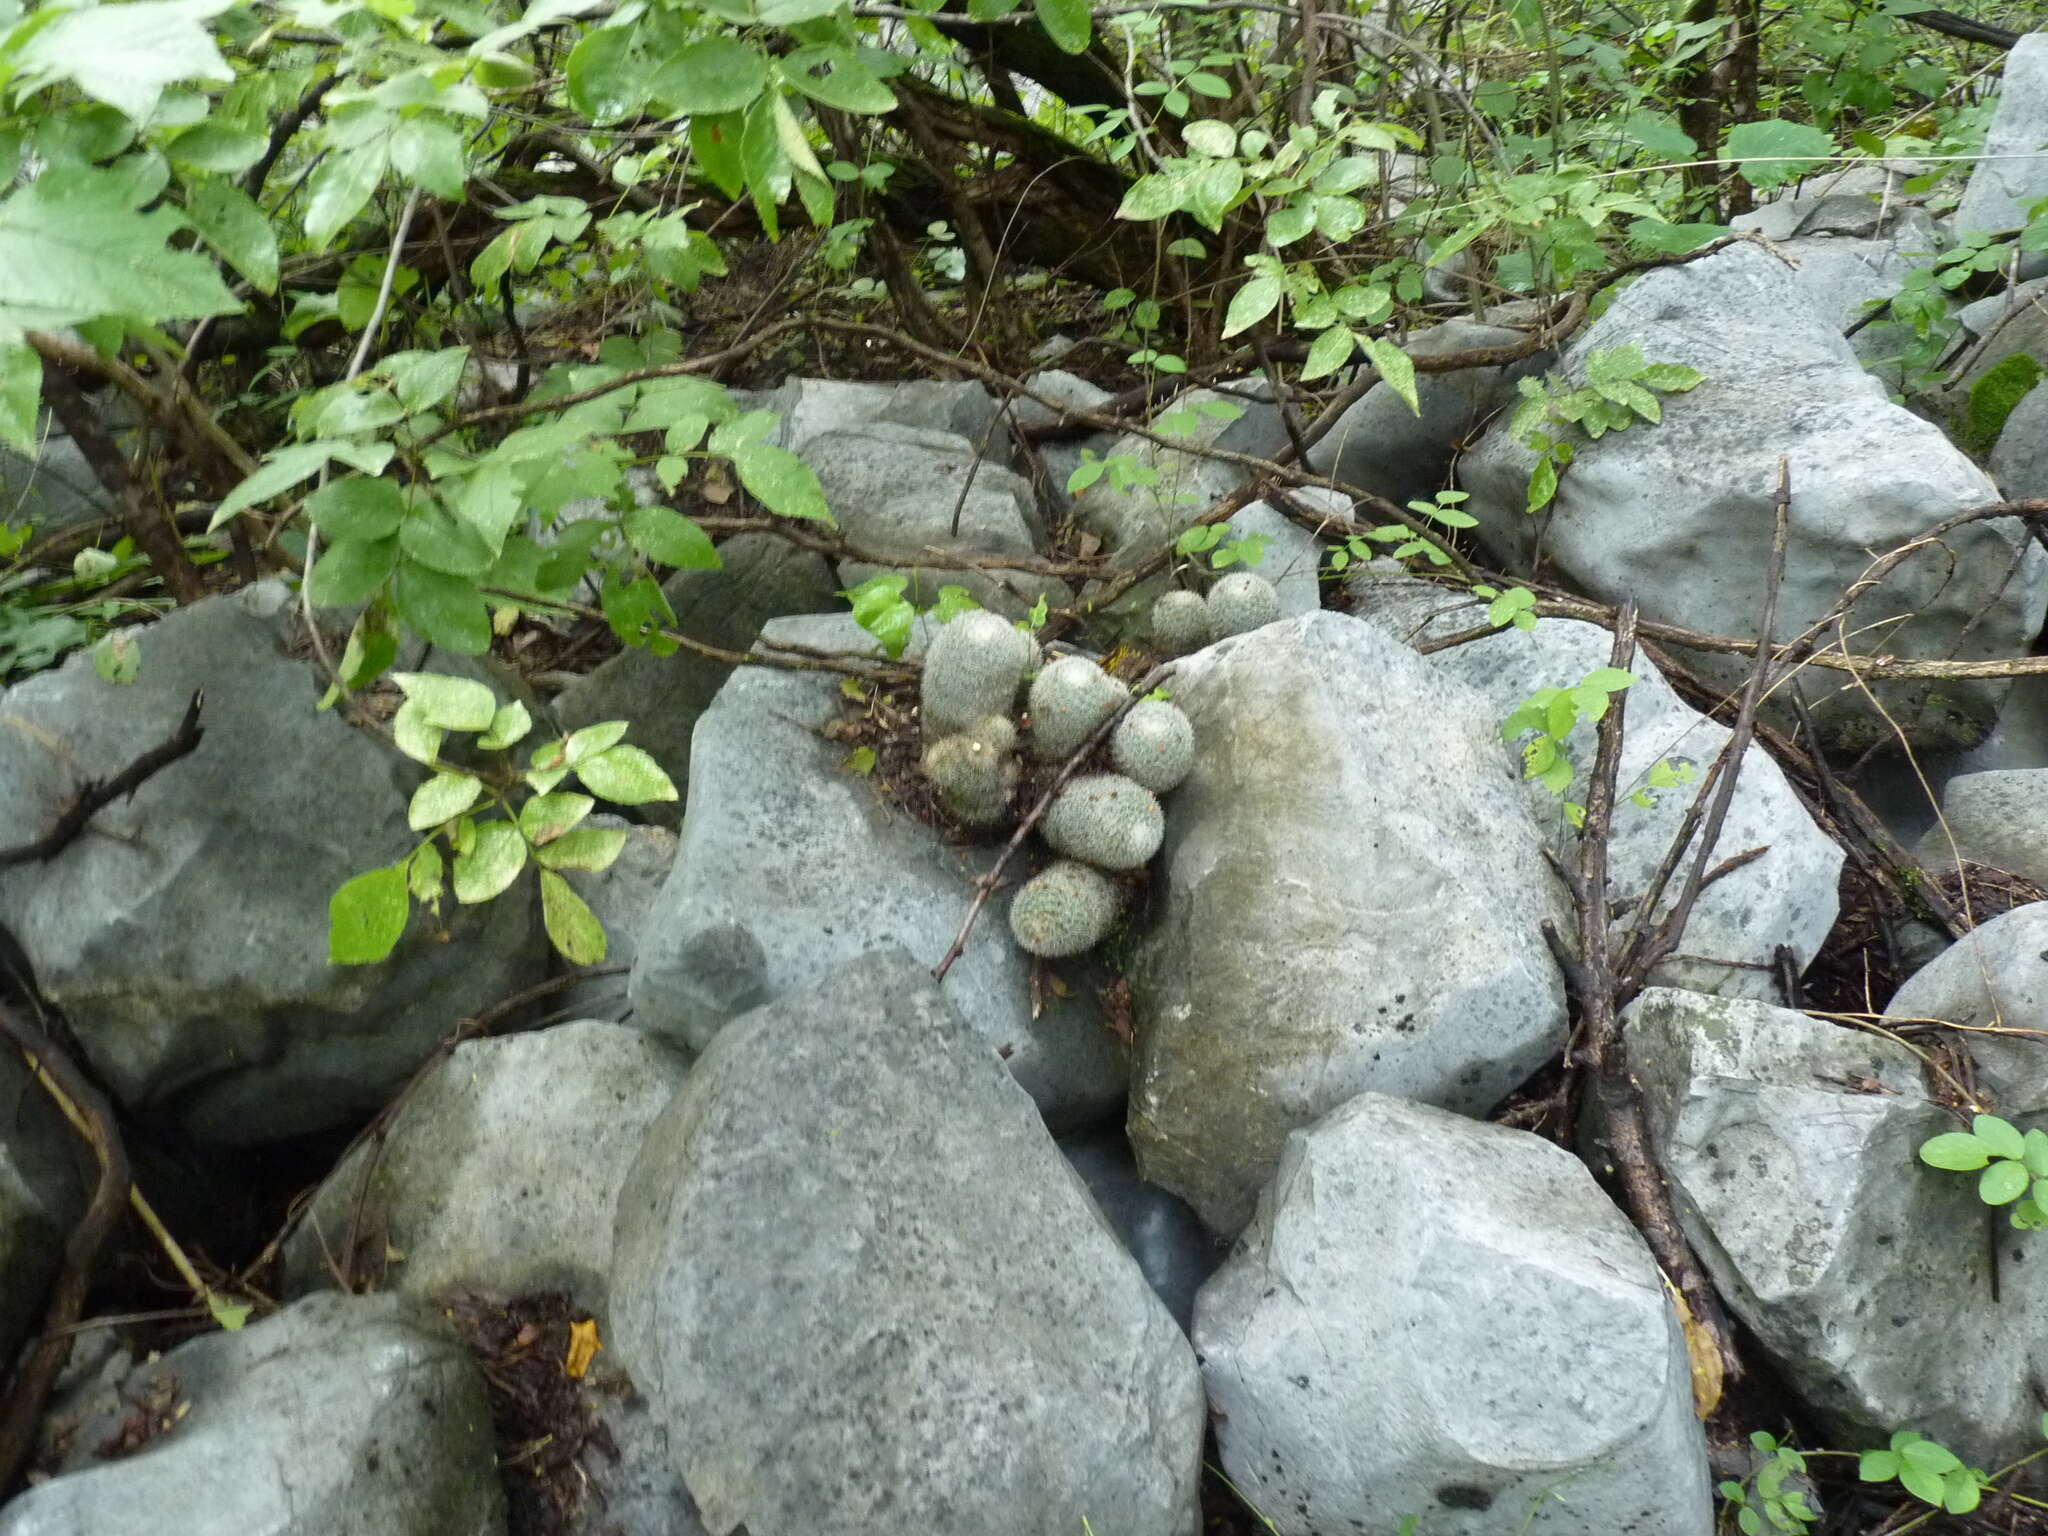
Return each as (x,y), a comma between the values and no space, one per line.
(94,797)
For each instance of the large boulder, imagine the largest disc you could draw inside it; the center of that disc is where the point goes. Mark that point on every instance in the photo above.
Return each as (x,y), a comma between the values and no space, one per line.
(499,1174)
(760,577)
(1678,516)
(43,1190)
(1347,901)
(1791,1148)
(1848,253)
(1787,897)
(1437,1318)
(1999,819)
(184,933)
(1991,980)
(2014,170)
(784,874)
(809,408)
(936,1331)
(340,1416)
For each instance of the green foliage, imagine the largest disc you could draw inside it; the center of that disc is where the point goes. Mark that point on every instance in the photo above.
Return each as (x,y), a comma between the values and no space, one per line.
(1992,400)
(1930,1472)
(1621,387)
(1548,716)
(1222,545)
(1774,1507)
(1405,543)
(485,825)
(2015,1166)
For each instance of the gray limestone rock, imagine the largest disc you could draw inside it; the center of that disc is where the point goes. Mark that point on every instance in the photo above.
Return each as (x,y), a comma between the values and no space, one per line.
(2019,461)
(340,1416)
(1293,557)
(1850,251)
(935,1332)
(1678,515)
(1788,896)
(1439,1318)
(1999,819)
(501,1173)
(185,934)
(1285,968)
(619,898)
(44,1185)
(2013,172)
(1158,1228)
(1995,976)
(761,578)
(782,874)
(1791,1148)
(809,408)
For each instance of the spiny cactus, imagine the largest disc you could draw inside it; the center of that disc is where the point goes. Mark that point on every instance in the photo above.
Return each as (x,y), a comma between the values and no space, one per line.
(1064,910)
(1180,622)
(1069,699)
(1154,744)
(974,772)
(1241,602)
(1106,820)
(973,670)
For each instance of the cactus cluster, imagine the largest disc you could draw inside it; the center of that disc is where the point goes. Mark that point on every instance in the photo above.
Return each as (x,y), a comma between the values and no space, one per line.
(974,771)
(1065,909)
(973,670)
(1239,603)
(1070,699)
(1106,820)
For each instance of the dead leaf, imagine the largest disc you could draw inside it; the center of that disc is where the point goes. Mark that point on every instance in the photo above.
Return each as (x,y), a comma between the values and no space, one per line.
(583,1348)
(1706,1359)
(717,492)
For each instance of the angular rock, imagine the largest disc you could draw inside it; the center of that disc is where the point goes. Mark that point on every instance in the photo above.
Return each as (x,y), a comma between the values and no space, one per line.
(1849,252)
(1293,557)
(1439,1318)
(2013,172)
(1380,445)
(1786,897)
(1791,1146)
(1062,456)
(1287,969)
(1994,976)
(619,898)
(339,1416)
(1999,819)
(809,408)
(1158,1229)
(184,935)
(936,1332)
(781,875)
(44,1186)
(2019,462)
(1678,515)
(500,1174)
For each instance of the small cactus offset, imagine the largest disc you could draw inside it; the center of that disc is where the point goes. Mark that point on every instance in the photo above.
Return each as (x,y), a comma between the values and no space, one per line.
(1180,623)
(1106,820)
(972,671)
(974,772)
(1065,910)
(1241,602)
(1154,744)
(1069,700)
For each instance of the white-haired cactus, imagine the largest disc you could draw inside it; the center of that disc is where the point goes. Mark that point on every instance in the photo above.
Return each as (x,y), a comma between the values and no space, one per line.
(1070,698)
(1180,622)
(1066,909)
(1154,744)
(973,772)
(1106,820)
(1241,602)
(973,670)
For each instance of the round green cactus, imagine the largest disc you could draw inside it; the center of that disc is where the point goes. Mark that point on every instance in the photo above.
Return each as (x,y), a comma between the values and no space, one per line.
(1106,820)
(1241,602)
(973,670)
(973,772)
(1066,909)
(1180,623)
(1070,698)
(1154,744)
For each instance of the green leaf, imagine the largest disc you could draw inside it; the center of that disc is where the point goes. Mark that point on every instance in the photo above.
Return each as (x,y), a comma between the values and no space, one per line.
(1207,136)
(591,848)
(1957,1150)
(574,929)
(768,172)
(350,571)
(213,145)
(492,862)
(21,383)
(508,725)
(340,188)
(2003,1182)
(126,54)
(448,610)
(547,817)
(75,248)
(435,538)
(453,703)
(1607,679)
(837,77)
(781,482)
(1542,484)
(1251,304)
(1066,22)
(607,78)
(1397,371)
(1877,1466)
(625,776)
(715,144)
(357,508)
(1289,224)
(239,232)
(665,535)
(953,601)
(366,917)
(443,796)
(414,735)
(1998,1136)
(711,75)
(1772,150)
(590,741)
(428,153)
(1328,352)
(424,379)
(117,656)
(229,1314)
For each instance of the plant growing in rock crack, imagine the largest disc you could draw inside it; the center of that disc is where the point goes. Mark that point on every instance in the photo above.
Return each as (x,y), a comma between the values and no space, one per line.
(880,608)
(1774,1507)
(1407,544)
(485,853)
(1549,715)
(1929,1471)
(2014,1165)
(1621,387)
(1224,547)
